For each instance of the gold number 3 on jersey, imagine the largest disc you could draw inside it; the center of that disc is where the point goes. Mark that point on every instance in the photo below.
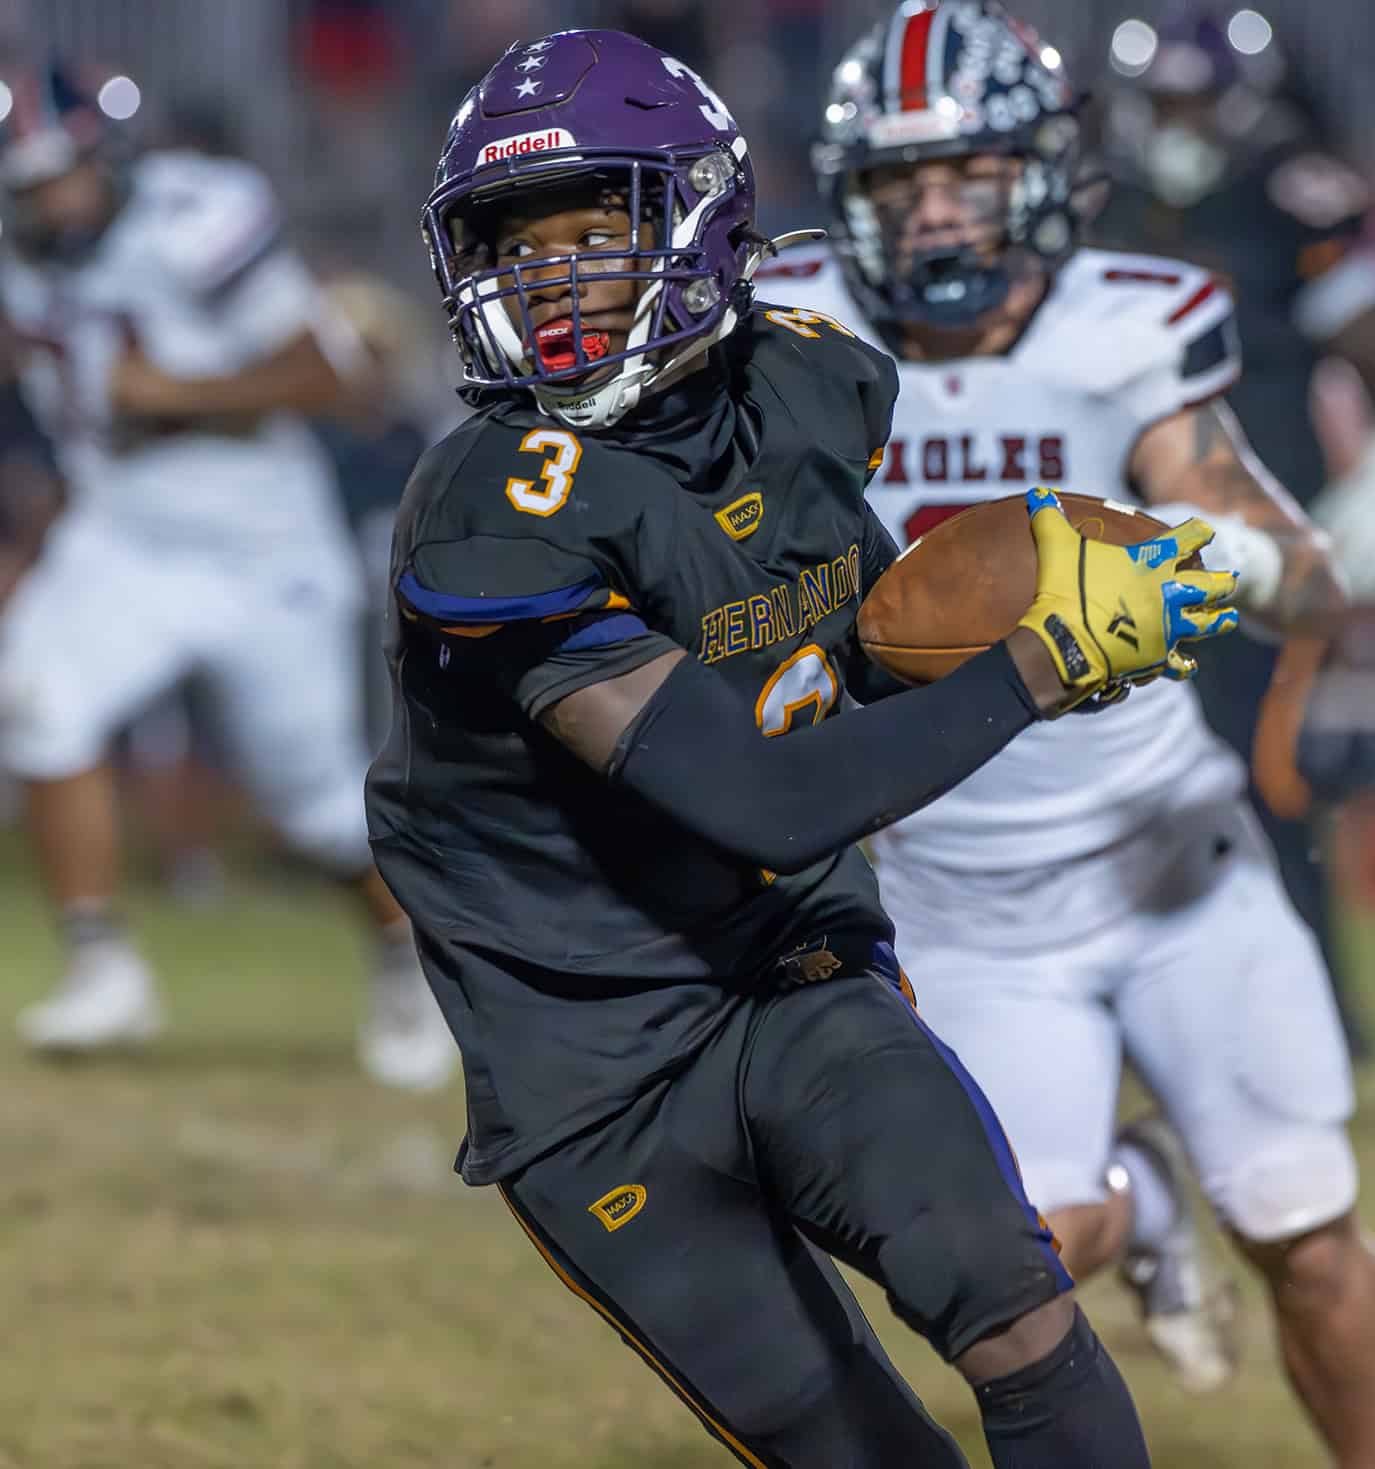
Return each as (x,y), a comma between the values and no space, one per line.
(557,472)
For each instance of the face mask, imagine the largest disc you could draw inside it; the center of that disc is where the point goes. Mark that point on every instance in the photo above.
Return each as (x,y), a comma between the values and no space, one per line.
(1183,165)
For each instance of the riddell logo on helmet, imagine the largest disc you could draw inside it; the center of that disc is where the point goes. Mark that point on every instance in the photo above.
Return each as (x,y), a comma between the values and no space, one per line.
(524,143)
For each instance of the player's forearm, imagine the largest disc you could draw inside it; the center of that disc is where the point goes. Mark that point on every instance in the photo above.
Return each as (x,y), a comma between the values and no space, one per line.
(786,803)
(1199,463)
(1311,598)
(299,378)
(1289,580)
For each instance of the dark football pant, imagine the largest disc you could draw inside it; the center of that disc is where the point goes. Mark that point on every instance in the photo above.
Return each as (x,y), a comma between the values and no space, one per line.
(823,1119)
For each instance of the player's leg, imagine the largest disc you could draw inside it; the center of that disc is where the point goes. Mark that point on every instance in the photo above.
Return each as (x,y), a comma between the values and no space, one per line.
(874,1139)
(178,795)
(1016,967)
(70,674)
(1004,1018)
(1232,1023)
(656,1221)
(1031,1022)
(106,994)
(287,688)
(73,825)
(1322,1285)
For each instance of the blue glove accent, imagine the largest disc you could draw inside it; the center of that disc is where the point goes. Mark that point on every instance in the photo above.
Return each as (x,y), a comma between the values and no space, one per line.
(1178,597)
(1153,552)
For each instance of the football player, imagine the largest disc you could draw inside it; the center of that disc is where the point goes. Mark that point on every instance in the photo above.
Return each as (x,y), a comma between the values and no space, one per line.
(1210,164)
(171,341)
(620,811)
(1099,886)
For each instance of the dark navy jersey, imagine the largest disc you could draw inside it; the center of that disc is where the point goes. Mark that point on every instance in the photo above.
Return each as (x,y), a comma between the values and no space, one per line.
(581,943)
(1272,229)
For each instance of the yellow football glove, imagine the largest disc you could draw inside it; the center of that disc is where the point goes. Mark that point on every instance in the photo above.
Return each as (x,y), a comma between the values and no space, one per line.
(1114,615)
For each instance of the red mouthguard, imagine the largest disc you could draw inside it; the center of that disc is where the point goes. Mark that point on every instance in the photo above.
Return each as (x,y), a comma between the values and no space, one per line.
(554,345)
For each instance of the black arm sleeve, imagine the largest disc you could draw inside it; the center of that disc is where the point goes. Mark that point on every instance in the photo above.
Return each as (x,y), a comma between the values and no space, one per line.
(694,751)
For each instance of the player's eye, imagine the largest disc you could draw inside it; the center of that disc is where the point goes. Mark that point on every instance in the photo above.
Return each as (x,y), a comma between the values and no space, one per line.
(598,239)
(982,197)
(515,249)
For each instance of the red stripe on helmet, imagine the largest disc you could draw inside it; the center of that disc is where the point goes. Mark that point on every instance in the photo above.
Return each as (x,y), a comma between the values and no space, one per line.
(912,76)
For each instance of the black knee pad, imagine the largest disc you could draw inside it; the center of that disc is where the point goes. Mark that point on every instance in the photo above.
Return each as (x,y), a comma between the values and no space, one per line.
(956,1277)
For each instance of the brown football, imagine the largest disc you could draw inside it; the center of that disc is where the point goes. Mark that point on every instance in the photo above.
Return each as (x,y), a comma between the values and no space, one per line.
(965,584)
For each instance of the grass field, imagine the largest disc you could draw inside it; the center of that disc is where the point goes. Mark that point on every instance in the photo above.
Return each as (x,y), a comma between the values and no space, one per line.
(235,1252)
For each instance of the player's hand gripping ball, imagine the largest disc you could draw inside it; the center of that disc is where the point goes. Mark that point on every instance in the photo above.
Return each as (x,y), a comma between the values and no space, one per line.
(1110,591)
(1115,614)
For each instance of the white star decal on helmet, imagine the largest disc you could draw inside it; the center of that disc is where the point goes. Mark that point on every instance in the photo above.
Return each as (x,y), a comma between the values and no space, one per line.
(528,87)
(531,63)
(539,46)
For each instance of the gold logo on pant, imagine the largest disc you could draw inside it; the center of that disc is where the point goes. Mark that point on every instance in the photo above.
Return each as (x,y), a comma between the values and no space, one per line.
(620,1206)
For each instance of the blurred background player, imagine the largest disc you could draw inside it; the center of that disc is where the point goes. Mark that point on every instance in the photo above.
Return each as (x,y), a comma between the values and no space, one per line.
(1099,884)
(373,438)
(1215,162)
(173,340)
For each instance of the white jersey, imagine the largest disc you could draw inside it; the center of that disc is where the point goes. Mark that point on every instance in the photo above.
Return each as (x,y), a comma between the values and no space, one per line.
(1120,342)
(191,270)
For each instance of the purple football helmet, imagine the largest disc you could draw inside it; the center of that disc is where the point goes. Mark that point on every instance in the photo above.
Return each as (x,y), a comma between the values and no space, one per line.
(609,109)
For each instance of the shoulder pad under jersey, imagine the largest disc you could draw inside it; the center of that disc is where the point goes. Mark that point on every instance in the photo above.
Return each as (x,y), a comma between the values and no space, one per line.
(838,386)
(1155,334)
(515,518)
(205,220)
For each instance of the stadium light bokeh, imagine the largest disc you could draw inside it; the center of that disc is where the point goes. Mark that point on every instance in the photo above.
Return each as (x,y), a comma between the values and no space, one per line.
(1250,32)
(119,98)
(1134,44)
